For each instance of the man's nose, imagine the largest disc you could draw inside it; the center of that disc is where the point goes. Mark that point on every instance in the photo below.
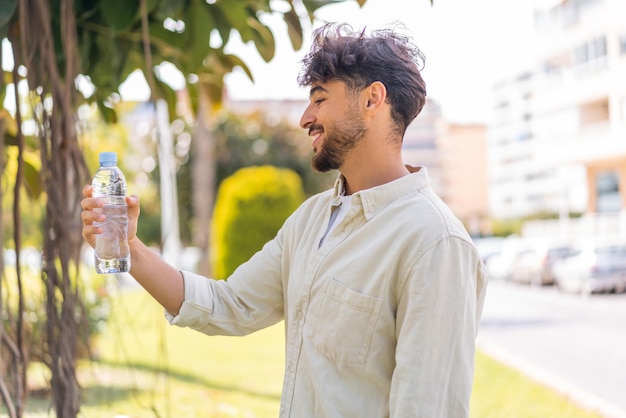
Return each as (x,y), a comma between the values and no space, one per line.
(307,118)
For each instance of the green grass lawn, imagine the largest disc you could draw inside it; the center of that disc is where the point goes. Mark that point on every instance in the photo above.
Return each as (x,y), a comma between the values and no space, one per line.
(147,368)
(502,392)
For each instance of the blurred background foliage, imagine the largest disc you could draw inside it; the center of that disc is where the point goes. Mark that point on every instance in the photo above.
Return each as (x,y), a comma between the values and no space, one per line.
(251,206)
(241,140)
(69,59)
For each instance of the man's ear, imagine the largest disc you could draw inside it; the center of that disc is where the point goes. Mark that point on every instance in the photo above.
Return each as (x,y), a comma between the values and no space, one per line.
(376,95)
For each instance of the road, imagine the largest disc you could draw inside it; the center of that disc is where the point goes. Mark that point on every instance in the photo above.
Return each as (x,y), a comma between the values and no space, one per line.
(575,344)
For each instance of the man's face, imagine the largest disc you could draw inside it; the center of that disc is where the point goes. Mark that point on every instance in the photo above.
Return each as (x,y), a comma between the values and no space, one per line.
(334,122)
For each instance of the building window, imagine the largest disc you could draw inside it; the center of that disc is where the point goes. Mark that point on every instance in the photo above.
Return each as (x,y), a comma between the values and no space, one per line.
(607,189)
(597,48)
(590,51)
(590,56)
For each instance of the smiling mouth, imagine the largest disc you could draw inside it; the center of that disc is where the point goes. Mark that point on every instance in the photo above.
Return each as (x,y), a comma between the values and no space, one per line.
(316,135)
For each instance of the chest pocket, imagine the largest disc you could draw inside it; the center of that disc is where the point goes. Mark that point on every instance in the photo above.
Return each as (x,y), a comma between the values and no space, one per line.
(345,324)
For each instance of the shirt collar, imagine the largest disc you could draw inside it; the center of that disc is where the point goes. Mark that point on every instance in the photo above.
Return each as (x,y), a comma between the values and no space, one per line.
(375,199)
(339,189)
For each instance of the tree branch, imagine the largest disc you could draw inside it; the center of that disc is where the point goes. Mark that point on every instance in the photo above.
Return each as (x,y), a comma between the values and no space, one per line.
(145,34)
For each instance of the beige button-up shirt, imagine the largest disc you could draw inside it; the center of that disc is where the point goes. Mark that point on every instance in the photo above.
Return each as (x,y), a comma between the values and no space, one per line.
(380,320)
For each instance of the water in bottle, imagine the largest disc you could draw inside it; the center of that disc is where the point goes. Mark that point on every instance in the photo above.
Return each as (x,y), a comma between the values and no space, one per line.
(112,254)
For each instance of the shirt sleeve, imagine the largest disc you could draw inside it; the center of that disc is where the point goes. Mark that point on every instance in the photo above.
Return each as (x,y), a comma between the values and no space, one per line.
(249,300)
(436,326)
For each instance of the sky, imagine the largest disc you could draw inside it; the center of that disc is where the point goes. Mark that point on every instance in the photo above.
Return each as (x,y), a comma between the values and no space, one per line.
(469,45)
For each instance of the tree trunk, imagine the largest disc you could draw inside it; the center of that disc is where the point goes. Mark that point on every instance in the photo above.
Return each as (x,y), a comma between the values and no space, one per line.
(63,172)
(203,181)
(10,360)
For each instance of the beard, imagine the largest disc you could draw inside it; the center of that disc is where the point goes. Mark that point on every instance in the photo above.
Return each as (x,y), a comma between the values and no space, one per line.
(340,139)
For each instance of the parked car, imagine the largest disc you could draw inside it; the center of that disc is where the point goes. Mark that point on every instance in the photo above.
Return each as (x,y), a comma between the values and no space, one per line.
(500,262)
(533,264)
(592,268)
(526,265)
(551,255)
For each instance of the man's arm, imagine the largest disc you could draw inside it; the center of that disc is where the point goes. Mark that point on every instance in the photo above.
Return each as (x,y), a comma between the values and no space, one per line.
(161,280)
(436,326)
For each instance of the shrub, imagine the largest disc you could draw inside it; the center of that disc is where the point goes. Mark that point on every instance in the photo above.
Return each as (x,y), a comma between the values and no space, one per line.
(251,206)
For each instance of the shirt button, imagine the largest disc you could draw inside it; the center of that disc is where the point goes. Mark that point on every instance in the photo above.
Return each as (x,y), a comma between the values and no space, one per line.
(372,209)
(299,315)
(290,368)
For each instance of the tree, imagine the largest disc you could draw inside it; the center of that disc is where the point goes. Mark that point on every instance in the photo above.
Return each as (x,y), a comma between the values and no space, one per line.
(55,41)
(257,138)
(241,140)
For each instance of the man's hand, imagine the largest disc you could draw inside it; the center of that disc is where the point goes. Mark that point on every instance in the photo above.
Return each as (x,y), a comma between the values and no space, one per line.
(89,215)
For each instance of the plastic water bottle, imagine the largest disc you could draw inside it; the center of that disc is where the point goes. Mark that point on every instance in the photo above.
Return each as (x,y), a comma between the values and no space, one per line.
(112,254)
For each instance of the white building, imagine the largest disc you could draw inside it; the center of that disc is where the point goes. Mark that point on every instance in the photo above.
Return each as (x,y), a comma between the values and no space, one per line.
(419,146)
(558,139)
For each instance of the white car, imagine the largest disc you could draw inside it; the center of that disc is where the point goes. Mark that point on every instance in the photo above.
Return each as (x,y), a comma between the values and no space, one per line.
(593,268)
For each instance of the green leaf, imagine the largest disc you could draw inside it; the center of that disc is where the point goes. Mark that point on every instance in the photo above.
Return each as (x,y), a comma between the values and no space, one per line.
(10,126)
(108,114)
(211,84)
(312,5)
(32,180)
(294,28)
(31,143)
(10,139)
(3,94)
(200,24)
(103,62)
(85,48)
(7,10)
(221,24)
(231,61)
(237,16)
(263,39)
(192,90)
(171,39)
(134,59)
(151,5)
(214,92)
(120,14)
(169,46)
(170,8)
(7,78)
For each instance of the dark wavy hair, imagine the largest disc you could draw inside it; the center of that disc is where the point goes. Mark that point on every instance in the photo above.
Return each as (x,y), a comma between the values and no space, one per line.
(358,59)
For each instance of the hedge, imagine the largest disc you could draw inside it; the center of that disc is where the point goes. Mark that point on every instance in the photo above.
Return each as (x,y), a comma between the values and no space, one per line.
(250,208)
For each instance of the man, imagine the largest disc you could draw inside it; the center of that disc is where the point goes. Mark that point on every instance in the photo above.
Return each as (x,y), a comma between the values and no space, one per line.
(379,285)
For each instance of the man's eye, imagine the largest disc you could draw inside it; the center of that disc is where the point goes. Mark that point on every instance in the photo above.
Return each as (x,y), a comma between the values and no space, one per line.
(318,101)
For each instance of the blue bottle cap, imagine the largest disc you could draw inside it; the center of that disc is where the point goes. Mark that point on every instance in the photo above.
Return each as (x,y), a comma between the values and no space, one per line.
(108,158)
